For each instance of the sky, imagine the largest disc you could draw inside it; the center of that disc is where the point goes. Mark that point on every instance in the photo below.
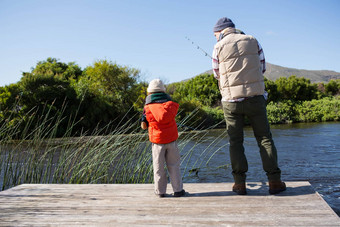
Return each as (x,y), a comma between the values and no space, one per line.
(151,35)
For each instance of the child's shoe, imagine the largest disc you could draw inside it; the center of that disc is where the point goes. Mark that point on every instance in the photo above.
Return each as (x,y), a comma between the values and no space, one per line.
(179,194)
(160,195)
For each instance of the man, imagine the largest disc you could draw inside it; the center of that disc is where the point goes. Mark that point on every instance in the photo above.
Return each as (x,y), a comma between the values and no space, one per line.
(239,64)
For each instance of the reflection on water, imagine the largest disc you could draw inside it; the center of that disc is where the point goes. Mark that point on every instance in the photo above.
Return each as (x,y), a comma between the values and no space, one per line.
(306,152)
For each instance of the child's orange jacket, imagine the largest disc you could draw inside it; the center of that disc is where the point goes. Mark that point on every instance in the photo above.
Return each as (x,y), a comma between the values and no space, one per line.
(162,124)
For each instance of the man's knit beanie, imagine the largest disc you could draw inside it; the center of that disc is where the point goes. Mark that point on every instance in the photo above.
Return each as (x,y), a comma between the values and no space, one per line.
(223,23)
(156,85)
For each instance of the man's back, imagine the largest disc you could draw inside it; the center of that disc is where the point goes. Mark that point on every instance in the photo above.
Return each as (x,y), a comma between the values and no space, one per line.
(239,66)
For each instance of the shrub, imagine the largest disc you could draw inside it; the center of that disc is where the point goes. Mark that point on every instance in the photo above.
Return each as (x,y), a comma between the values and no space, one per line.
(281,112)
(326,109)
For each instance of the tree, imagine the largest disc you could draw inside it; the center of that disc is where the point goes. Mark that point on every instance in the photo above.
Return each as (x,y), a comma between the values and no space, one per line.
(9,96)
(296,89)
(202,88)
(10,109)
(271,88)
(55,68)
(102,94)
(333,87)
(114,82)
(48,95)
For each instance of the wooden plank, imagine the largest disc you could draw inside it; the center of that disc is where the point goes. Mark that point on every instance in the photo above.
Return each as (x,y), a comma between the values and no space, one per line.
(211,204)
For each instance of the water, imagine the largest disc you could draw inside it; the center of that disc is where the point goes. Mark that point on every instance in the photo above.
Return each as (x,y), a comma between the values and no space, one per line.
(306,152)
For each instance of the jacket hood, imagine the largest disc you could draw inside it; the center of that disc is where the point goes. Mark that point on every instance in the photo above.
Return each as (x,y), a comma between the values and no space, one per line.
(164,112)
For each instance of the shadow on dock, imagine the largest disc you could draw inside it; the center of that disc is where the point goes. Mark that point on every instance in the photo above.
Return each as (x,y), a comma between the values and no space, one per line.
(259,189)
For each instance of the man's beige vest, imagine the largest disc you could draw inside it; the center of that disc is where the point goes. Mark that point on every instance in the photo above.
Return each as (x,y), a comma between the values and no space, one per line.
(239,67)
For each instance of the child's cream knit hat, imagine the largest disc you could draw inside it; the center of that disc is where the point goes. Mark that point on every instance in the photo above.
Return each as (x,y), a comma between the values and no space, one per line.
(156,85)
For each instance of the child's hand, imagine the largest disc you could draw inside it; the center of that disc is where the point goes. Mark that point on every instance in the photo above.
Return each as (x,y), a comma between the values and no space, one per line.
(143,125)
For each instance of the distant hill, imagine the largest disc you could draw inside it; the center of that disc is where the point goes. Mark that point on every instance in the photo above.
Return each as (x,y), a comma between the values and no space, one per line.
(275,71)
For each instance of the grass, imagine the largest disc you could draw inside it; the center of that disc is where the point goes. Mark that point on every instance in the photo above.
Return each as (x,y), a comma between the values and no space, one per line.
(123,156)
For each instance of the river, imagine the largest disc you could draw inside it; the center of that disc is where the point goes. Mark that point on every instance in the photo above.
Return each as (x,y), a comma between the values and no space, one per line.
(306,152)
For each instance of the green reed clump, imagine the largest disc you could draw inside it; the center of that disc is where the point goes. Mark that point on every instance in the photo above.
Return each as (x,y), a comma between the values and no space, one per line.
(198,148)
(122,156)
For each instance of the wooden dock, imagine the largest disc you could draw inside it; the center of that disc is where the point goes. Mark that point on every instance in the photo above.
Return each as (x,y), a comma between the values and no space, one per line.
(207,204)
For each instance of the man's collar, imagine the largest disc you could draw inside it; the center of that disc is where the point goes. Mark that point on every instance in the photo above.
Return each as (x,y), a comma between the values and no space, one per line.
(226,32)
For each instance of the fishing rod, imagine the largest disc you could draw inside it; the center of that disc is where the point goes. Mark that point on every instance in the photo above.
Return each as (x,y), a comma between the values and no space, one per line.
(206,54)
(198,47)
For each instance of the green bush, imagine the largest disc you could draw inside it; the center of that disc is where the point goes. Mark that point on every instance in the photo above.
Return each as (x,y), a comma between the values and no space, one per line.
(202,88)
(216,115)
(326,109)
(100,94)
(106,92)
(281,112)
(333,87)
(196,116)
(296,89)
(191,115)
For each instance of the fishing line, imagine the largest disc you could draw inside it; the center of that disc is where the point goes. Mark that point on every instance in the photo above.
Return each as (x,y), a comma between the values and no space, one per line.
(198,47)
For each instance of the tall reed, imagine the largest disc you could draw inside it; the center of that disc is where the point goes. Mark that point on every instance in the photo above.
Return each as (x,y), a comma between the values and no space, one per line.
(122,156)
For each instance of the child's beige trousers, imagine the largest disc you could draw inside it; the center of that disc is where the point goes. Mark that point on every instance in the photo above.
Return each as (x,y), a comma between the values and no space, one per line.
(169,154)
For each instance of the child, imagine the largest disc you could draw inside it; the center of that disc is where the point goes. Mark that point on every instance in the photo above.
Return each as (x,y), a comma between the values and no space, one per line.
(159,116)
